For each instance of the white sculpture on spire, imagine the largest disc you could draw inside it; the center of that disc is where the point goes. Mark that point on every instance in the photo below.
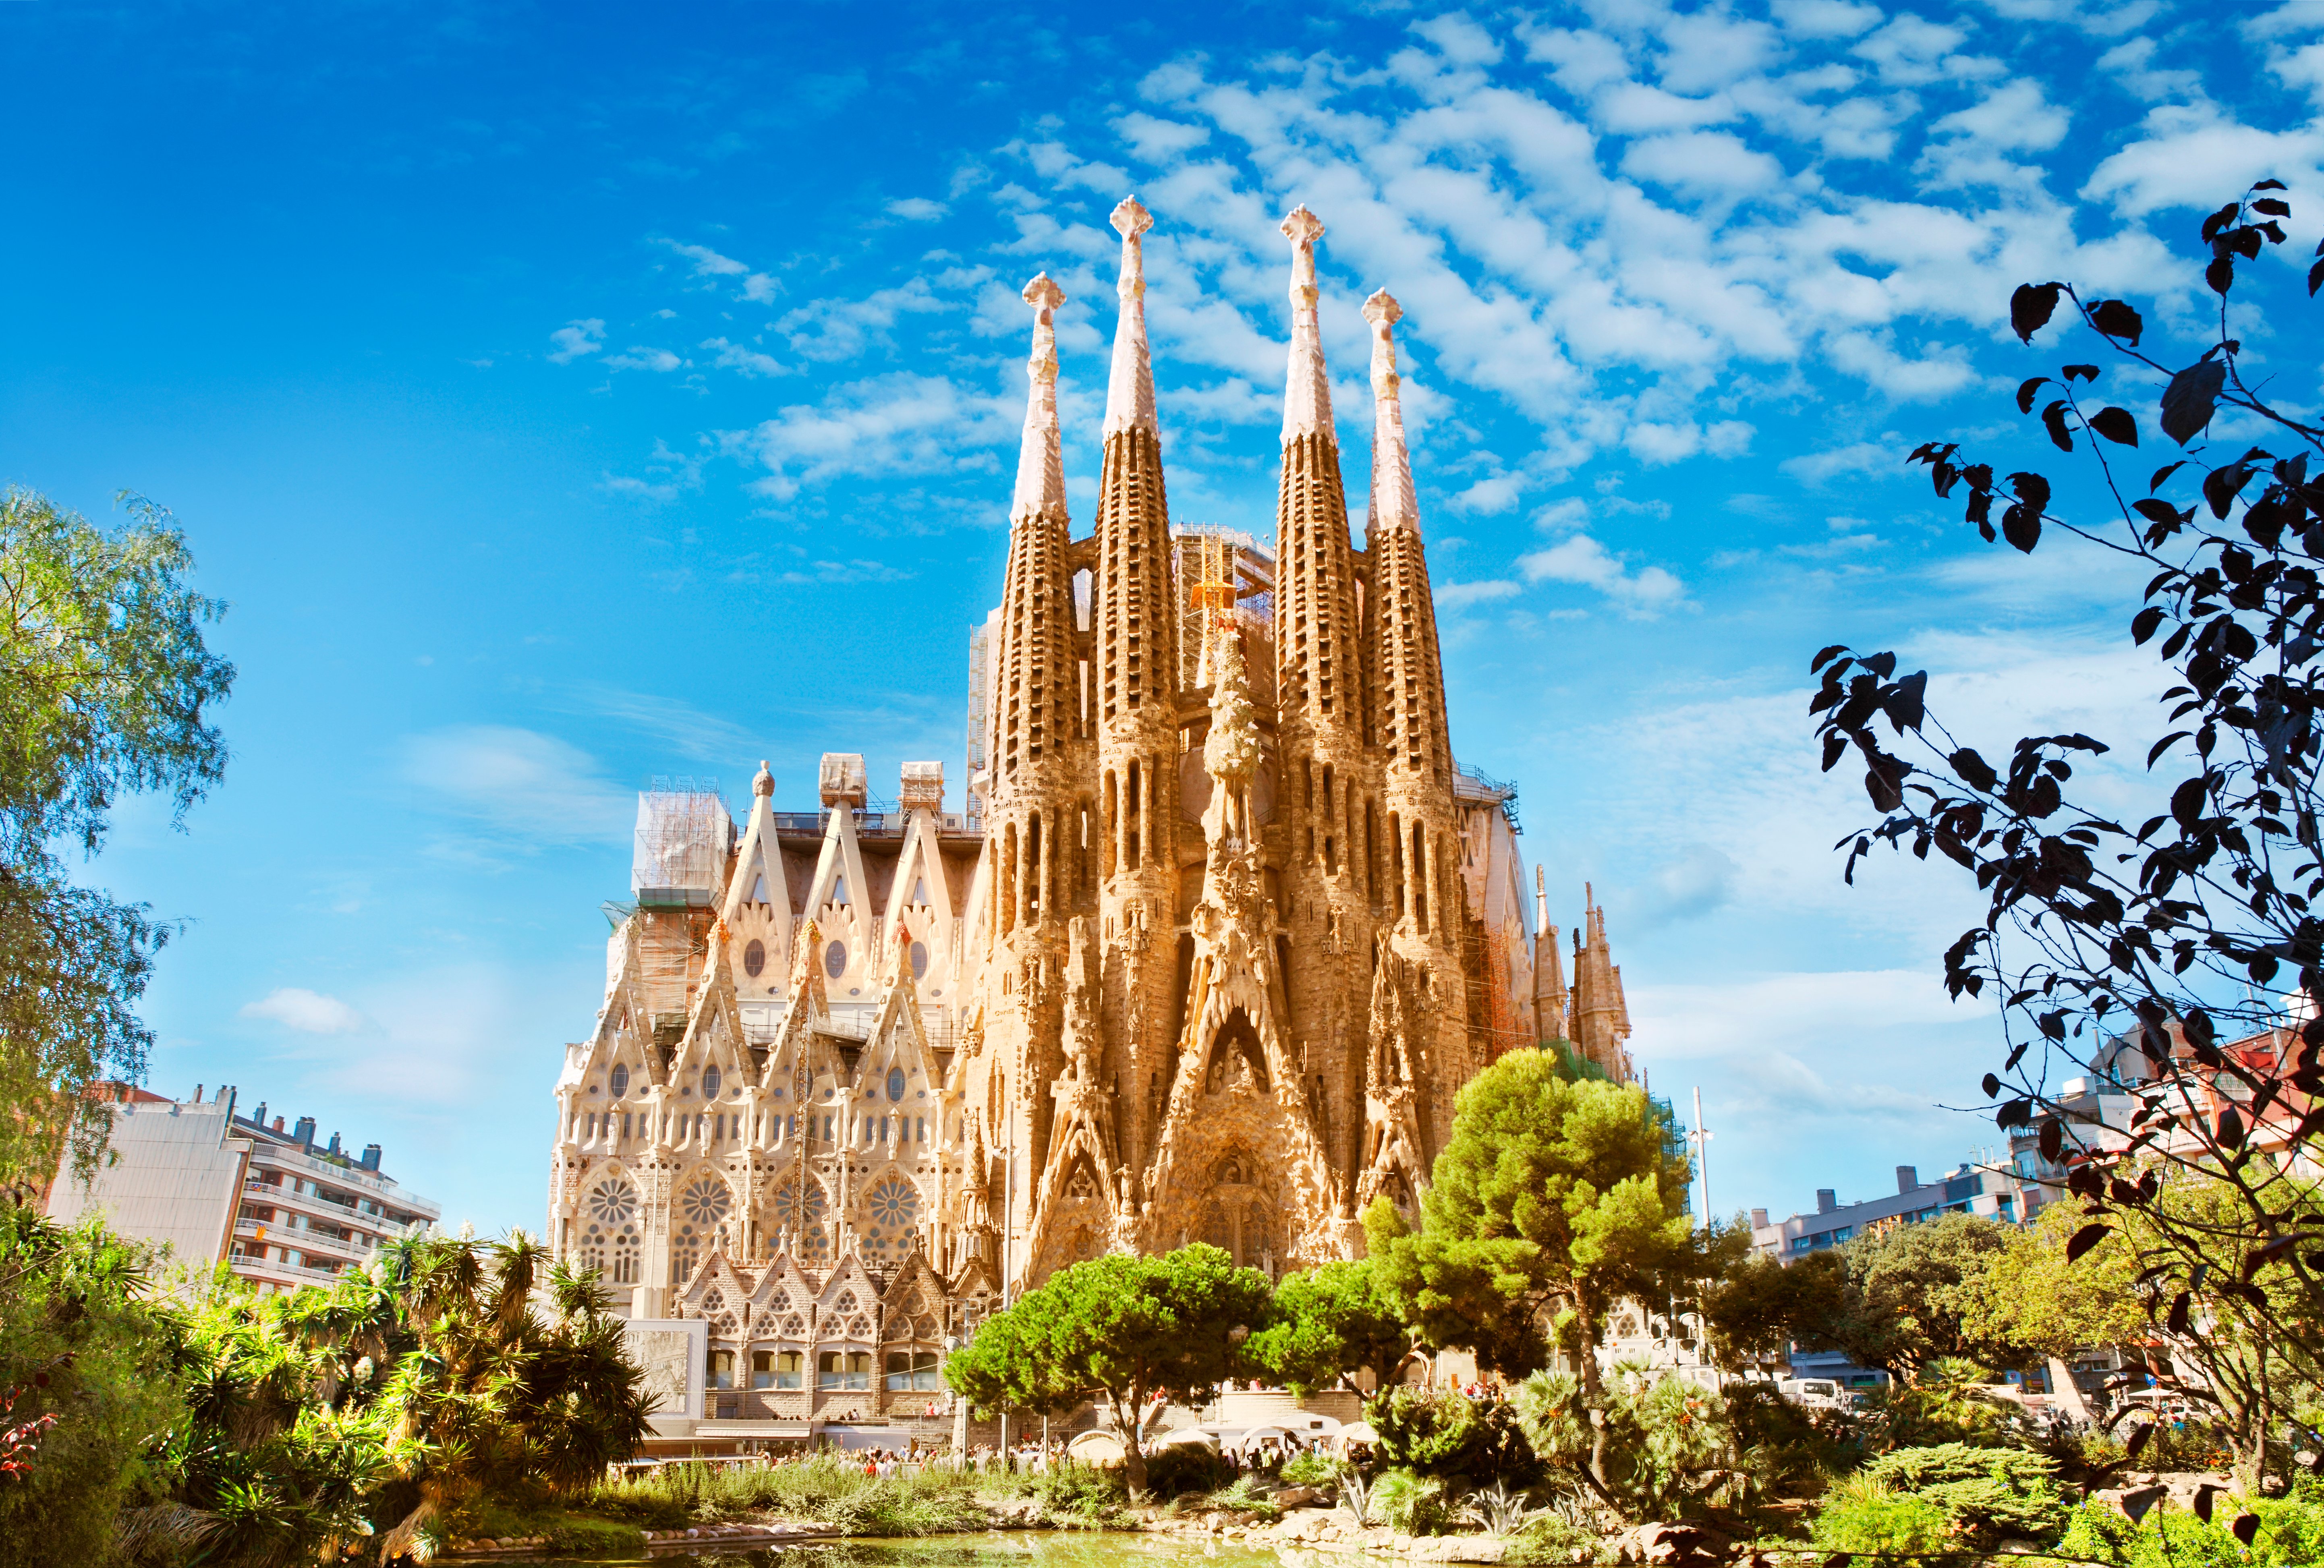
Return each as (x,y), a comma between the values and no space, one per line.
(1129,391)
(1393,502)
(1307,389)
(1040,462)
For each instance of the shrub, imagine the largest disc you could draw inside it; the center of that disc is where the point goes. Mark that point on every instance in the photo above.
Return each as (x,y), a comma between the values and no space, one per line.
(1989,1494)
(827,1488)
(1184,1467)
(1410,1504)
(1312,1470)
(2291,1533)
(1465,1443)
(1861,1514)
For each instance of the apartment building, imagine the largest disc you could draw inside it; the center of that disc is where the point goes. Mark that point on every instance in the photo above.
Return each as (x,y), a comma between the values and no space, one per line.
(215,1186)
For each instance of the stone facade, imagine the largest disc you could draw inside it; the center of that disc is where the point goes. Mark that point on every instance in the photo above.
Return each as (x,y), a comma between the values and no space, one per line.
(1222,932)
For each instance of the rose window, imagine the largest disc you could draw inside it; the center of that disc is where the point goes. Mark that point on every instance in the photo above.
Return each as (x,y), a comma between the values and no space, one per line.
(614,1202)
(895,1204)
(706,1202)
(786,1205)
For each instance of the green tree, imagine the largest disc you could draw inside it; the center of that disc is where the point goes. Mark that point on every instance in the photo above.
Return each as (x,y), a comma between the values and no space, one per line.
(1552,1201)
(1758,1308)
(105,688)
(2034,1301)
(1915,1295)
(493,1394)
(1329,1323)
(1123,1330)
(88,1372)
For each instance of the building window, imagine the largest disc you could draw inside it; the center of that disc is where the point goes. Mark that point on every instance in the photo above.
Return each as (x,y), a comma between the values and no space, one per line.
(834,959)
(844,1370)
(777,1369)
(754,958)
(895,1083)
(710,1082)
(722,1369)
(912,1372)
(620,1081)
(919,960)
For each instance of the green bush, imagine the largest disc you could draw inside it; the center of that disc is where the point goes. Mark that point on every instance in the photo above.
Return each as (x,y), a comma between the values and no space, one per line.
(828,1490)
(1080,1494)
(1410,1504)
(1311,1470)
(1989,1494)
(1249,1495)
(1861,1515)
(1464,1443)
(1182,1468)
(2291,1535)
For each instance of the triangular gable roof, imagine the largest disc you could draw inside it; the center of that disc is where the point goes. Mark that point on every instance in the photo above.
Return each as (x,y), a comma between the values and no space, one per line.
(842,855)
(921,862)
(762,855)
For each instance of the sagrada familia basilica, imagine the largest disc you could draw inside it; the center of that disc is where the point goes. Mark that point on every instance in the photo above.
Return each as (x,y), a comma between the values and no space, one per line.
(1222,931)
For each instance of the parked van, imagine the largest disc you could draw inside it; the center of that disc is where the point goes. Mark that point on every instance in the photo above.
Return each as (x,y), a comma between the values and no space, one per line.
(1815,1393)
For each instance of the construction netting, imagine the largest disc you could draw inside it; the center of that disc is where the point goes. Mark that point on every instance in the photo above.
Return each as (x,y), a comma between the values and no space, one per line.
(683,839)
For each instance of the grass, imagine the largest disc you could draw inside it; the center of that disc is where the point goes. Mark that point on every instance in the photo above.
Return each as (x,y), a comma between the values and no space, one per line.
(825,1490)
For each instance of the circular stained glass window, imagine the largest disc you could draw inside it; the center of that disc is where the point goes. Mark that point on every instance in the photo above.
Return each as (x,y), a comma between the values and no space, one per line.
(895,1204)
(614,1202)
(706,1202)
(920,961)
(620,1082)
(895,1083)
(754,958)
(834,959)
(710,1082)
(786,1205)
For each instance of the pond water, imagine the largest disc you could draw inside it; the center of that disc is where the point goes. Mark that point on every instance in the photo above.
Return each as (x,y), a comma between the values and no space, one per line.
(996,1549)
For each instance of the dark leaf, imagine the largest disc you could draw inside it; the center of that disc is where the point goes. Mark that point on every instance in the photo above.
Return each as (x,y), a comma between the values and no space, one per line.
(2054,420)
(2187,402)
(2221,486)
(2203,1496)
(1827,656)
(2272,184)
(2247,1526)
(2087,1237)
(1992,1086)
(2032,489)
(2142,627)
(2117,426)
(2186,803)
(2197,1026)
(2025,390)
(2053,1140)
(2181,1305)
(2269,207)
(1974,771)
(2163,473)
(2221,273)
(2137,1441)
(2315,278)
(2016,1113)
(2218,221)
(2116,319)
(1906,705)
(2230,1129)
(2032,306)
(2079,371)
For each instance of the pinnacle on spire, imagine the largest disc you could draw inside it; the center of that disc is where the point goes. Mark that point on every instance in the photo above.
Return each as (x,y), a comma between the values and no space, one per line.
(1040,463)
(1393,502)
(1130,391)
(1307,388)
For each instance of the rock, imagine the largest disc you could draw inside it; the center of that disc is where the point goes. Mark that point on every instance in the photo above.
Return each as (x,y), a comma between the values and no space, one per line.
(1294,1496)
(2134,1501)
(1660,1545)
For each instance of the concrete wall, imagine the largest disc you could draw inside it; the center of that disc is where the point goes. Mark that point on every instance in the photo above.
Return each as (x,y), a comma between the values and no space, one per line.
(177,1179)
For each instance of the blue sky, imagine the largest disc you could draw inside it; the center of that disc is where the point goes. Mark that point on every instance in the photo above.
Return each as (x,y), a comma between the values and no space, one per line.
(564,396)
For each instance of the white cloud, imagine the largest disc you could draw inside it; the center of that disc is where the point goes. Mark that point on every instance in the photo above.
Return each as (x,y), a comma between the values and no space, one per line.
(1461,595)
(1826,18)
(307,1012)
(1703,162)
(575,338)
(899,423)
(916,209)
(1868,458)
(516,782)
(642,359)
(2191,156)
(748,361)
(708,262)
(1158,141)
(1582,560)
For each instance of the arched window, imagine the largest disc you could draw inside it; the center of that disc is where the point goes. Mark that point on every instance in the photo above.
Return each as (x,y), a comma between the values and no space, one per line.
(843,1369)
(754,958)
(913,1372)
(711,1079)
(834,959)
(895,1083)
(620,1081)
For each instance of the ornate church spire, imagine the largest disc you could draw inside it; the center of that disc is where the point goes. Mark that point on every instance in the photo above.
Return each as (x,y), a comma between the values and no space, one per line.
(1040,464)
(1406,668)
(1315,635)
(1134,687)
(1308,387)
(1130,389)
(1601,1014)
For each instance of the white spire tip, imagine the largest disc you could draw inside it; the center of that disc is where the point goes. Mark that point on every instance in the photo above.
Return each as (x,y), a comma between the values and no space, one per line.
(1043,293)
(1132,219)
(1382,307)
(1303,226)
